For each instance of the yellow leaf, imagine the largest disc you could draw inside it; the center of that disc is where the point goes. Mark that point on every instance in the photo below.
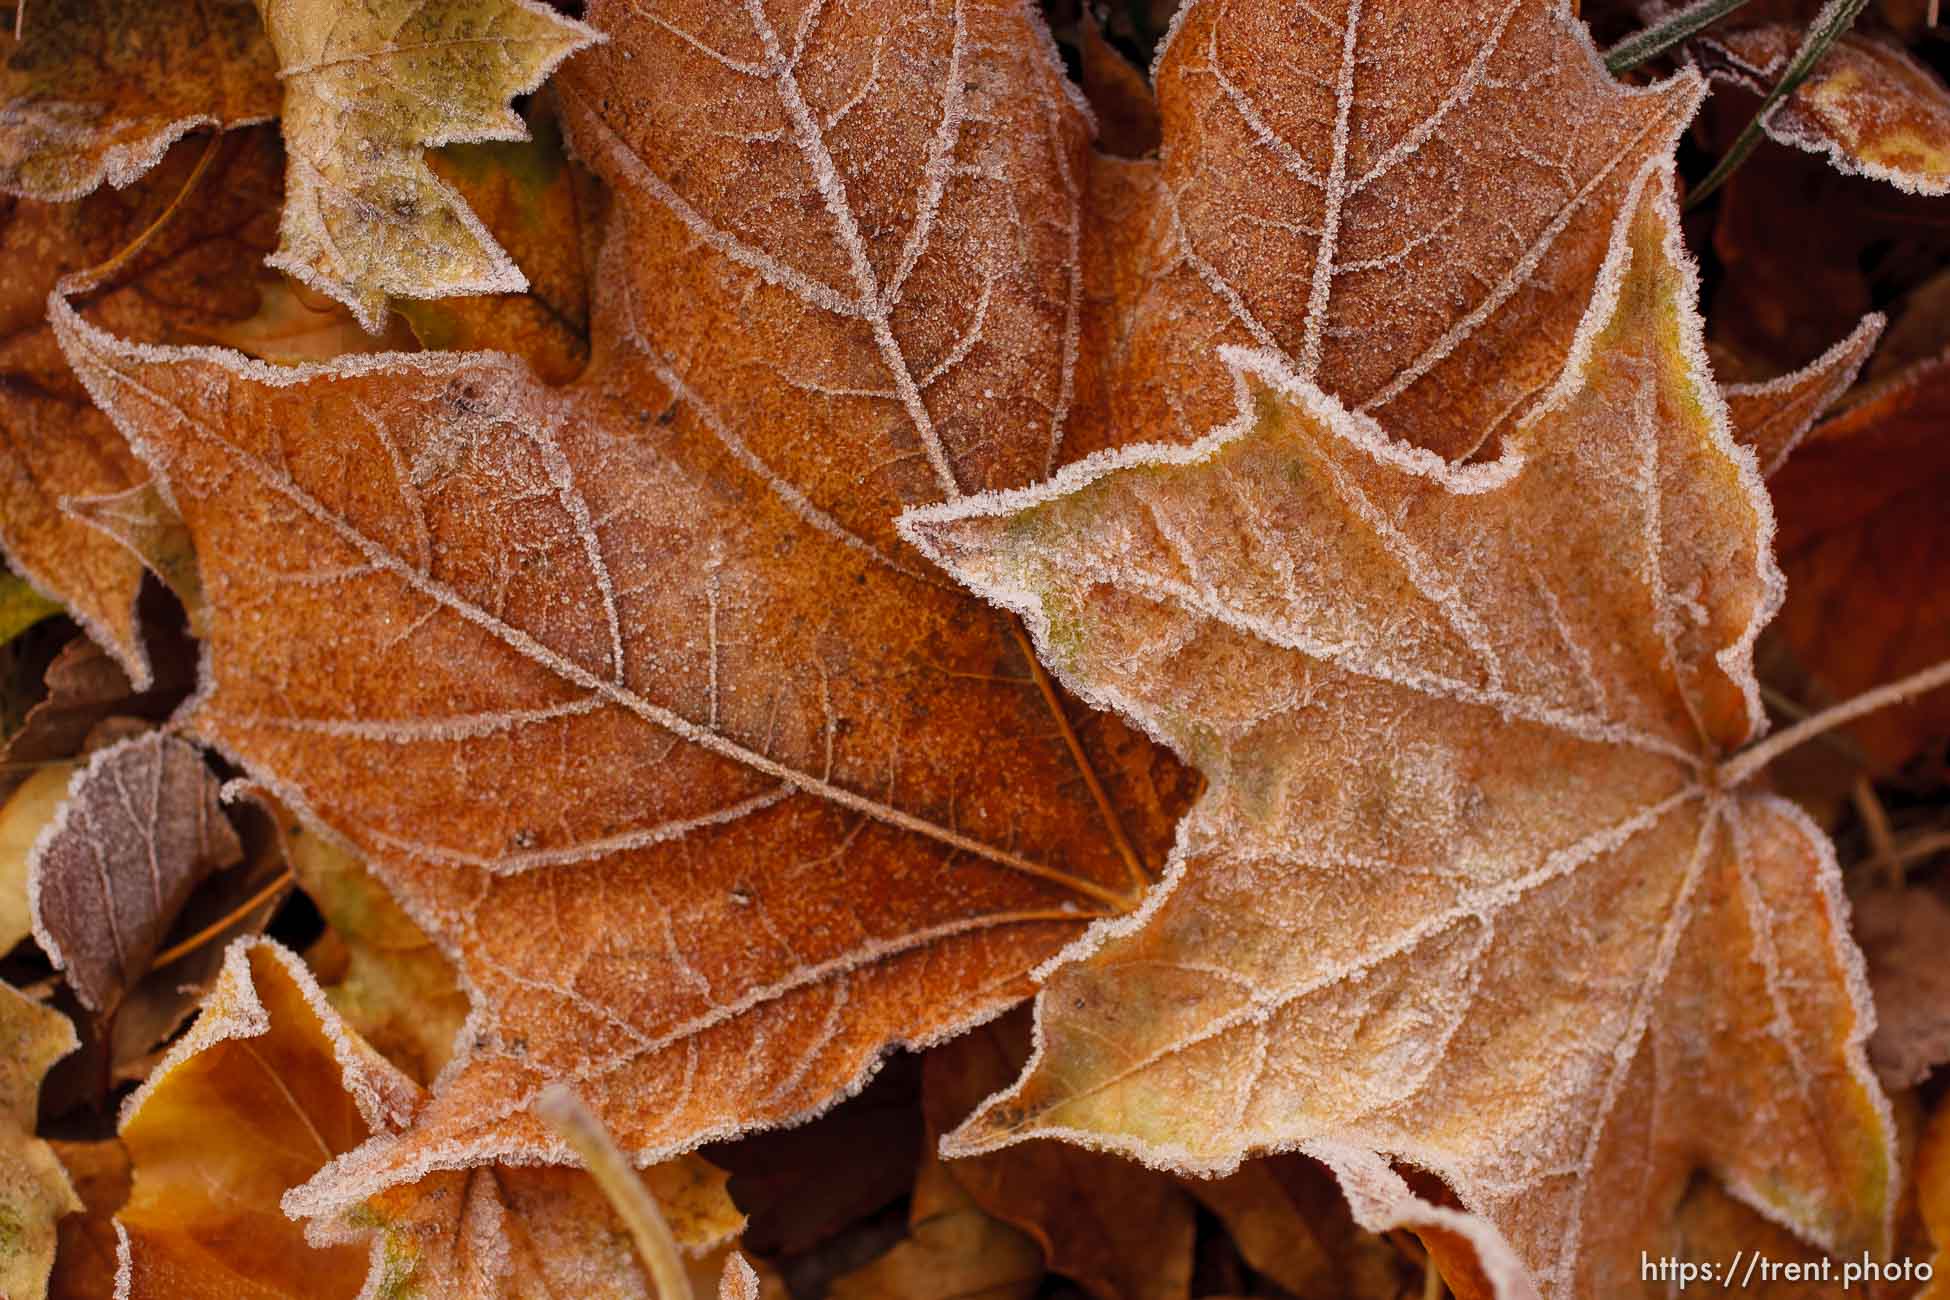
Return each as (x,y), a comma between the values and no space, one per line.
(34,1189)
(268,1086)
(1869,107)
(369,85)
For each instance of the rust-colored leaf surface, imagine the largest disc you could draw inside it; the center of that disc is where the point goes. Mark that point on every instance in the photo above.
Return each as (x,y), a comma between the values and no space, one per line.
(1904,933)
(140,829)
(369,85)
(1407,203)
(1870,107)
(1475,881)
(99,89)
(54,444)
(1863,541)
(628,690)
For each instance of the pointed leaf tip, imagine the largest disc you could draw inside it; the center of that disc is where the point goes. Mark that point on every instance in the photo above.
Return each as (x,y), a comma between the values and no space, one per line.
(368,87)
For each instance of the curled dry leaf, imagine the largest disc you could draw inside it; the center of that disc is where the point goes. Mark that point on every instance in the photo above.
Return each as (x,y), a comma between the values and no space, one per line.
(271,1078)
(1287,1216)
(267,1072)
(369,85)
(99,89)
(1904,934)
(1771,417)
(141,828)
(34,1189)
(85,688)
(1324,192)
(1871,108)
(195,272)
(1120,1232)
(1467,884)
(566,665)
(1469,1253)
(953,1251)
(1863,533)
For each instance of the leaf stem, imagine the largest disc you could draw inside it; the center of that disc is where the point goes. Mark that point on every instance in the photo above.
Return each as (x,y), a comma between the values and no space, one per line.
(80,283)
(1675,29)
(1139,878)
(1874,818)
(1752,759)
(177,951)
(1835,18)
(1923,846)
(564,1112)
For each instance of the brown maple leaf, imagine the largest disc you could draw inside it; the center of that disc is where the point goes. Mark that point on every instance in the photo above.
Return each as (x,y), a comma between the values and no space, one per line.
(1869,107)
(1477,881)
(1407,203)
(628,690)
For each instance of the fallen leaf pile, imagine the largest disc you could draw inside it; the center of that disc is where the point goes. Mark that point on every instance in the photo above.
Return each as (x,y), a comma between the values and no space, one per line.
(971,647)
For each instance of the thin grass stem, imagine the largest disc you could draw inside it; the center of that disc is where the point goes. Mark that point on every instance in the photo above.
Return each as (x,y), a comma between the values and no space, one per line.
(1670,32)
(564,1112)
(1835,18)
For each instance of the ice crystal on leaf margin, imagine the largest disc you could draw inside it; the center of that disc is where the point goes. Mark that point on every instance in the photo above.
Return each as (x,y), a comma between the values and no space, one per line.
(1465,888)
